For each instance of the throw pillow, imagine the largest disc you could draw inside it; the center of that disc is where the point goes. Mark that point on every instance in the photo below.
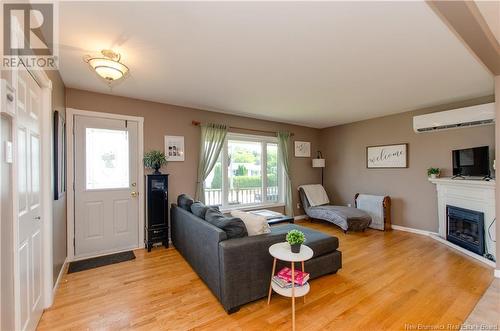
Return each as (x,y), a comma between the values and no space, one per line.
(185,201)
(255,224)
(234,227)
(199,209)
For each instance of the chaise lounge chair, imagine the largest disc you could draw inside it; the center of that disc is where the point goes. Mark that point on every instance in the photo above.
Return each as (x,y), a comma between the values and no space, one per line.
(347,218)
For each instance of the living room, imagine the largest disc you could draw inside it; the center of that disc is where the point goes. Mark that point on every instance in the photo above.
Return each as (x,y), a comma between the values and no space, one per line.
(367,129)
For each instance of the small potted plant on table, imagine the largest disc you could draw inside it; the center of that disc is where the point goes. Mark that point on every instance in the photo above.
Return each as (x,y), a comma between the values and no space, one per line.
(433,172)
(295,238)
(155,160)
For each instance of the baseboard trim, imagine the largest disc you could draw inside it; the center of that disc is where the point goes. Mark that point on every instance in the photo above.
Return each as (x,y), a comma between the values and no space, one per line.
(497,273)
(464,251)
(59,277)
(300,217)
(412,230)
(436,237)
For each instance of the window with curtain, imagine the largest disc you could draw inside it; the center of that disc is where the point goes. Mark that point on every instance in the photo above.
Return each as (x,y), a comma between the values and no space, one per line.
(248,173)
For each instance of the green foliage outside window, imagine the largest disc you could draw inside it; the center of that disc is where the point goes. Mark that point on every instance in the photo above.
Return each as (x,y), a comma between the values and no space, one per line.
(241,171)
(241,179)
(217,180)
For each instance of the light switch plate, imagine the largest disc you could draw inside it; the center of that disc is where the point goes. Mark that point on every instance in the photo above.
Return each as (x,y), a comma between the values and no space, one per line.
(8,151)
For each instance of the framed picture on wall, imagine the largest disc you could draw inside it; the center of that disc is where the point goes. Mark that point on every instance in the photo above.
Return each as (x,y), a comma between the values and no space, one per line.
(387,156)
(302,149)
(174,148)
(59,140)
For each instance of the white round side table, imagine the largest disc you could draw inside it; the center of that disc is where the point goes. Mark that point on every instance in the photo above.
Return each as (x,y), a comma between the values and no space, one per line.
(282,251)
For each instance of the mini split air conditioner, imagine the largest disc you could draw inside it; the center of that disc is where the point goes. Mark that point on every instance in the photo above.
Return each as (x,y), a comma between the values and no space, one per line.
(456,118)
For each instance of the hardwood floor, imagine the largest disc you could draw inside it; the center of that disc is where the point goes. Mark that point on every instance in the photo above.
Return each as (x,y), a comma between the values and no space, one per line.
(389,281)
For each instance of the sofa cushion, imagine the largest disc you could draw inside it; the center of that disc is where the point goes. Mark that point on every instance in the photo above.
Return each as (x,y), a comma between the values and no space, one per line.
(255,224)
(321,243)
(233,226)
(199,209)
(185,201)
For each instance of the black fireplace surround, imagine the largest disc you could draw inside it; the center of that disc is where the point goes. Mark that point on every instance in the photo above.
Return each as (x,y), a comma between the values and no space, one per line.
(466,228)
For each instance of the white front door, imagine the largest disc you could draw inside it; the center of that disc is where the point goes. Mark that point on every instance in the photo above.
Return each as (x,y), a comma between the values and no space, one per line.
(106,192)
(28,284)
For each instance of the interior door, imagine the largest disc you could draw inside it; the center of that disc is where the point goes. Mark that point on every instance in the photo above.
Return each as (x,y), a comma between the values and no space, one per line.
(28,282)
(106,173)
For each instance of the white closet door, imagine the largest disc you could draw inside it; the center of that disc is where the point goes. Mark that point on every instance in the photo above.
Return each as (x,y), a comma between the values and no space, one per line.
(29,301)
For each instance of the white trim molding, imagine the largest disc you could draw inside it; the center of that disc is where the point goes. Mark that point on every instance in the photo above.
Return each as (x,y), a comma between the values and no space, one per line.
(253,207)
(412,230)
(262,140)
(435,236)
(497,273)
(70,115)
(47,190)
(464,251)
(59,277)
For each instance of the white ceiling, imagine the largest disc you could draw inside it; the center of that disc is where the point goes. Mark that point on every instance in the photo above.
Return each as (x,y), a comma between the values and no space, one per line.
(315,64)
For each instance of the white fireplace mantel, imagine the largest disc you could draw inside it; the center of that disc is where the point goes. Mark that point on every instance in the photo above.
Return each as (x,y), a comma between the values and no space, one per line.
(478,195)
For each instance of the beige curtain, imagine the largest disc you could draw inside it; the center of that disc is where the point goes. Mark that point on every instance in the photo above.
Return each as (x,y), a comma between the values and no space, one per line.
(212,141)
(284,148)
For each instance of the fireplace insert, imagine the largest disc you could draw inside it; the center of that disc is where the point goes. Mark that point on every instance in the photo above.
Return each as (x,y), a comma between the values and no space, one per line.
(466,229)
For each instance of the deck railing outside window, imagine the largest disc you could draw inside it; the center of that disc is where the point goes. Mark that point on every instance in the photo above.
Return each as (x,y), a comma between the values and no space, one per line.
(241,196)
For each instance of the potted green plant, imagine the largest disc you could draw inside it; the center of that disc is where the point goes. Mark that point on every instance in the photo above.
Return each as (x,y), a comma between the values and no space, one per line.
(295,238)
(155,160)
(433,172)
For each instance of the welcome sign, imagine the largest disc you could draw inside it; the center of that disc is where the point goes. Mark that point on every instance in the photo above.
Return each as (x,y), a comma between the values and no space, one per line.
(387,156)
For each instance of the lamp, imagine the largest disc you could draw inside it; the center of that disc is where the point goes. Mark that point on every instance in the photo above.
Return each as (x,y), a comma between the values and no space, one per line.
(108,66)
(319,162)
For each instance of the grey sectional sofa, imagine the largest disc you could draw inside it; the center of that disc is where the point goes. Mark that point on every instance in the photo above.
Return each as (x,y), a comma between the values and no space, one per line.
(238,271)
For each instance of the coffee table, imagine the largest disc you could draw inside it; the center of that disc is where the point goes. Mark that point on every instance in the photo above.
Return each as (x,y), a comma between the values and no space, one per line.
(275,219)
(282,251)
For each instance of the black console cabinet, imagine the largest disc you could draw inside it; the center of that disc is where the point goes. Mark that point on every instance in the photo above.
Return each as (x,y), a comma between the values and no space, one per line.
(156,211)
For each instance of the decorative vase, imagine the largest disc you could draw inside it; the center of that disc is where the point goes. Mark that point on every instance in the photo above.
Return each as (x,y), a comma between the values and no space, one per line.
(295,248)
(157,171)
(434,176)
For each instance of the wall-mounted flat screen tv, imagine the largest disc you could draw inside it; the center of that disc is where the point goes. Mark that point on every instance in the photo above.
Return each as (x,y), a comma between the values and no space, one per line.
(471,162)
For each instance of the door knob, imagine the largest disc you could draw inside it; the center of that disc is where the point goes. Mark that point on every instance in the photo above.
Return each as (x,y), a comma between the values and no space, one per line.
(37,218)
(134,194)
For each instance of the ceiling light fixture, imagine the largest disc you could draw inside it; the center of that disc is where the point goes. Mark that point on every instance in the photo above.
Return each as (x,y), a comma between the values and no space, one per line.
(108,66)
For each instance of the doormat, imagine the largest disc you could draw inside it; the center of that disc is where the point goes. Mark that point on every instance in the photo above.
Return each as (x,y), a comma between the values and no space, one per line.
(100,261)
